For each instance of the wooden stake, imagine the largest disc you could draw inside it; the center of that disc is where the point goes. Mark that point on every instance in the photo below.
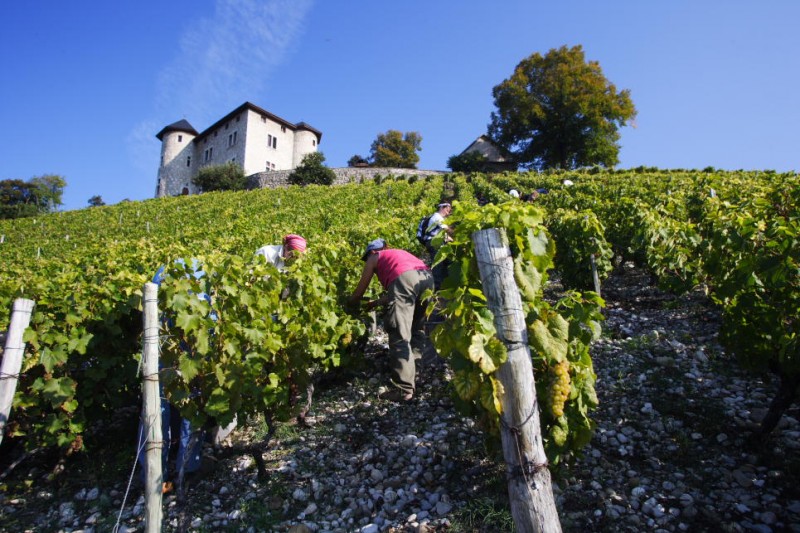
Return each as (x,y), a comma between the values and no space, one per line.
(12,357)
(151,416)
(595,277)
(529,486)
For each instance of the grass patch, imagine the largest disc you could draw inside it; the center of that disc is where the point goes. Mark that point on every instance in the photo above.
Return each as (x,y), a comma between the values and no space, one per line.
(483,515)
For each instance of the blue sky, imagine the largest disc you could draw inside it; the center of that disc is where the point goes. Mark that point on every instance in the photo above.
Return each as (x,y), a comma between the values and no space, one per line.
(86,85)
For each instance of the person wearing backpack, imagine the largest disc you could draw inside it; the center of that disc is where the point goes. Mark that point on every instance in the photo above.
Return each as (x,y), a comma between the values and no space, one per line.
(428,228)
(175,430)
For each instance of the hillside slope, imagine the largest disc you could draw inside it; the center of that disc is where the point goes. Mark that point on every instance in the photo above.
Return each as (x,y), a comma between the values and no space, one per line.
(672,451)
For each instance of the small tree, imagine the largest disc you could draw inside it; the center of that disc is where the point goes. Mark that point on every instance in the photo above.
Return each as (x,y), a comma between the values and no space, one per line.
(96,201)
(469,162)
(227,177)
(312,171)
(357,161)
(49,189)
(394,149)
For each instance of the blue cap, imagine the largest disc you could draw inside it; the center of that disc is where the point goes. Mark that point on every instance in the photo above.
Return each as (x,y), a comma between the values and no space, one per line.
(377,244)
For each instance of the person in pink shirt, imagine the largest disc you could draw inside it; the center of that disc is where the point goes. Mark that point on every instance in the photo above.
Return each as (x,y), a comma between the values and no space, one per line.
(405,278)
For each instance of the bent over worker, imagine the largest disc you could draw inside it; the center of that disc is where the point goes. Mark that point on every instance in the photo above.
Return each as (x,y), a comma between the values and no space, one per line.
(405,278)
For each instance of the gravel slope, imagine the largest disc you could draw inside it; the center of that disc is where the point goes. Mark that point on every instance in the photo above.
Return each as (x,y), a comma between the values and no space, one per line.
(672,451)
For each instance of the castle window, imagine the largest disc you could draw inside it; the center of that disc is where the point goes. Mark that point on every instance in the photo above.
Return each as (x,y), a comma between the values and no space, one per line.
(283,129)
(263,118)
(274,142)
(180,138)
(269,141)
(313,142)
(189,161)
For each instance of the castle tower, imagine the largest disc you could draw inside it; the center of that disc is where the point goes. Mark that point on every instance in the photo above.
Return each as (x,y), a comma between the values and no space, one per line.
(177,153)
(306,140)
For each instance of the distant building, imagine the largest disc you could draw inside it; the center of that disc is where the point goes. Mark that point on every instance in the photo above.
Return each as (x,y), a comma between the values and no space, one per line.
(497,160)
(249,136)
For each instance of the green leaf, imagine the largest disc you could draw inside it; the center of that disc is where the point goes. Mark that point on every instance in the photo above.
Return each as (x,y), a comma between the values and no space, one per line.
(485,319)
(57,391)
(188,321)
(217,404)
(51,358)
(466,384)
(477,354)
(188,367)
(79,343)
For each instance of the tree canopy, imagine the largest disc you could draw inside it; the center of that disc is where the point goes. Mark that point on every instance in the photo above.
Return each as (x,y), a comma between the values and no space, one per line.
(227,177)
(40,194)
(96,201)
(469,162)
(396,150)
(559,111)
(357,161)
(311,170)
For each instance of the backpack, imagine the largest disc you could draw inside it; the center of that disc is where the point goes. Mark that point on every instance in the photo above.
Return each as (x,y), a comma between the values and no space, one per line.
(422,230)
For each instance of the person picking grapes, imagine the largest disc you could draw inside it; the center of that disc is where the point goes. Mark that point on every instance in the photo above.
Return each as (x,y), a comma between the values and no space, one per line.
(405,279)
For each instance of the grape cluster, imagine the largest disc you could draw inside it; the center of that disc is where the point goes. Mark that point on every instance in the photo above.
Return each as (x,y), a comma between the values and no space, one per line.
(347,338)
(559,388)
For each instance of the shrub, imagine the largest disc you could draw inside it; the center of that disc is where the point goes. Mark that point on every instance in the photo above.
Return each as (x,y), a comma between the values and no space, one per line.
(227,177)
(312,171)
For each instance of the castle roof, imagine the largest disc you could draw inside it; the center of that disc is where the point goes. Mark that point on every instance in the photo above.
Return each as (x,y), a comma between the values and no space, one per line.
(181,125)
(264,112)
(304,126)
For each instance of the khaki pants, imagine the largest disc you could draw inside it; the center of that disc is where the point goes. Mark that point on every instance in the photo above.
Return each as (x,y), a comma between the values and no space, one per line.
(405,323)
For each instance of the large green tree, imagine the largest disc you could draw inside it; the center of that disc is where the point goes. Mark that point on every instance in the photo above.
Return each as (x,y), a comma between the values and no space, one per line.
(49,190)
(41,194)
(560,111)
(396,150)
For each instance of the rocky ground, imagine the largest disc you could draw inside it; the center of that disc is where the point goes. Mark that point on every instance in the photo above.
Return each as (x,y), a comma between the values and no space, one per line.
(673,451)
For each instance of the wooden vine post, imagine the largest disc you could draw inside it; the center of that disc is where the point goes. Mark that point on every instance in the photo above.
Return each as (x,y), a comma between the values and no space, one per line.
(595,276)
(529,486)
(12,357)
(151,411)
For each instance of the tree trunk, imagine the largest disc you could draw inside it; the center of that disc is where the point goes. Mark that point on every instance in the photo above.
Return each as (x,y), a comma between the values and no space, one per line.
(787,393)
(529,486)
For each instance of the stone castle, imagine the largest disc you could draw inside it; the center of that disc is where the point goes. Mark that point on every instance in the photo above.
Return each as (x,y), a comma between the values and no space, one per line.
(249,136)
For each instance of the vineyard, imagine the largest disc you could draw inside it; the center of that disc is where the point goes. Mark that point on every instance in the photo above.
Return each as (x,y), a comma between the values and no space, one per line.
(265,335)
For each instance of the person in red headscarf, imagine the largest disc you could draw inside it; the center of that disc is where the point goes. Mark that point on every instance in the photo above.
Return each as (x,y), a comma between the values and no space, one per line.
(277,254)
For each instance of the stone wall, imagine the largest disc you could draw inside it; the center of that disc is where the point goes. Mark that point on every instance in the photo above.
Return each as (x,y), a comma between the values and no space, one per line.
(344,175)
